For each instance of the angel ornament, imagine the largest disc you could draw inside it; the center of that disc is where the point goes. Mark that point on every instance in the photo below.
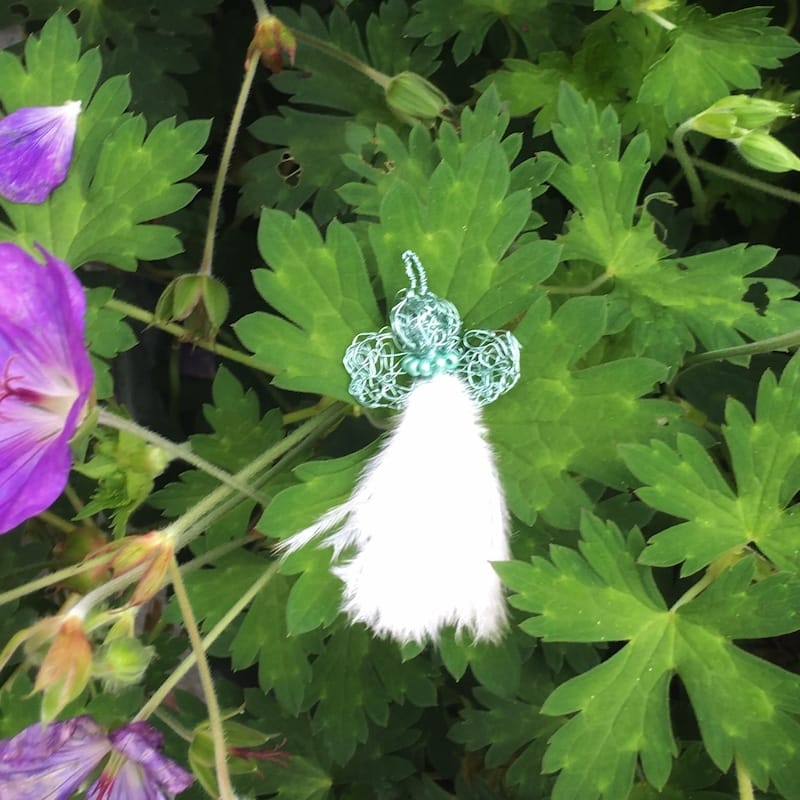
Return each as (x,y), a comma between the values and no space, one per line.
(414,544)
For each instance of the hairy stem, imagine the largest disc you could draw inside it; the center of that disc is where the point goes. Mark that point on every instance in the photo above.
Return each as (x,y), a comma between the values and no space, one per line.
(743,781)
(689,171)
(351,61)
(179,332)
(183,452)
(180,671)
(586,289)
(57,522)
(206,681)
(261,9)
(224,164)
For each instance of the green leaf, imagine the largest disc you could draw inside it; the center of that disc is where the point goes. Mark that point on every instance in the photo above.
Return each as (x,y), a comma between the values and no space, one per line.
(469,21)
(96,215)
(603,589)
(686,483)
(663,305)
(283,664)
(322,290)
(106,335)
(148,39)
(306,165)
(561,419)
(240,434)
(710,56)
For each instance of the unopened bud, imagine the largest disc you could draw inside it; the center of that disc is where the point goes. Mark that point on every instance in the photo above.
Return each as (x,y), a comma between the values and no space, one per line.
(766,152)
(200,301)
(121,662)
(271,40)
(66,668)
(415,99)
(734,116)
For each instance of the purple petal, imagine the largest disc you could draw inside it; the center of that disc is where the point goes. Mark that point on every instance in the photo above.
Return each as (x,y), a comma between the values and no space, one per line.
(50,762)
(45,380)
(141,743)
(36,150)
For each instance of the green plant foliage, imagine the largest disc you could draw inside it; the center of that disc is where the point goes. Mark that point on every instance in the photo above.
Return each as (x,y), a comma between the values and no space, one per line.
(134,40)
(663,305)
(765,462)
(121,177)
(601,594)
(106,335)
(305,163)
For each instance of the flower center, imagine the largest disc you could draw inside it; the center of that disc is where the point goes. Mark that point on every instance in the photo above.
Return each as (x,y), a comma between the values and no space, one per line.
(56,397)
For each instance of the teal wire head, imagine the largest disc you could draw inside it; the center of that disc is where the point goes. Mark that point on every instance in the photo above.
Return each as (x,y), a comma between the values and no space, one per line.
(424,339)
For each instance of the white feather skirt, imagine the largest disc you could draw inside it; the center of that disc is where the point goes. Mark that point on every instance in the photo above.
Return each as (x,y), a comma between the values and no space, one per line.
(416,541)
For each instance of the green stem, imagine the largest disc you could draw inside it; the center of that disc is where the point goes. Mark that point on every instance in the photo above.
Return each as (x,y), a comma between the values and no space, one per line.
(183,452)
(181,527)
(206,681)
(791,18)
(586,289)
(179,332)
(48,580)
(785,341)
(260,7)
(174,725)
(224,164)
(657,18)
(695,589)
(692,178)
(57,522)
(351,61)
(177,675)
(746,180)
(743,781)
(210,556)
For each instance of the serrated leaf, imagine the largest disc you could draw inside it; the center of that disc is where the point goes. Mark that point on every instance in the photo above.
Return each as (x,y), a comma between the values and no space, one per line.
(150,39)
(663,304)
(95,215)
(107,334)
(283,665)
(306,165)
(735,709)
(322,289)
(547,426)
(765,461)
(710,56)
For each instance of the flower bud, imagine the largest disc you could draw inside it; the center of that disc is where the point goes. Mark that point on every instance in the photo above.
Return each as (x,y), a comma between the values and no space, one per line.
(733,116)
(121,662)
(271,39)
(82,543)
(415,99)
(766,152)
(199,300)
(66,668)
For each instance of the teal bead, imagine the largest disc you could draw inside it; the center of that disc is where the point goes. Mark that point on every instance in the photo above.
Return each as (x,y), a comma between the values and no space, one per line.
(425,368)
(410,364)
(451,360)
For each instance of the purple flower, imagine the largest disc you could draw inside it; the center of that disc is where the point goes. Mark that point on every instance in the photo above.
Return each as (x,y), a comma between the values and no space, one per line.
(45,380)
(50,762)
(36,150)
(146,774)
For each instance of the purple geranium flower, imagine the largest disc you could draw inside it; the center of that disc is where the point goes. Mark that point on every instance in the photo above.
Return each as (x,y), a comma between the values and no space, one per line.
(45,380)
(49,762)
(146,774)
(36,150)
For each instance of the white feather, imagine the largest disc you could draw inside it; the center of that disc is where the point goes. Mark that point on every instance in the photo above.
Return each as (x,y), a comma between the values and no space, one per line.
(425,521)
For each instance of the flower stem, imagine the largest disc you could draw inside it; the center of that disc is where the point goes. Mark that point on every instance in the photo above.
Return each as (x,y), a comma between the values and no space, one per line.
(183,452)
(745,180)
(224,164)
(340,55)
(48,580)
(57,522)
(658,19)
(140,314)
(177,675)
(206,681)
(260,7)
(785,341)
(587,289)
(692,178)
(743,781)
